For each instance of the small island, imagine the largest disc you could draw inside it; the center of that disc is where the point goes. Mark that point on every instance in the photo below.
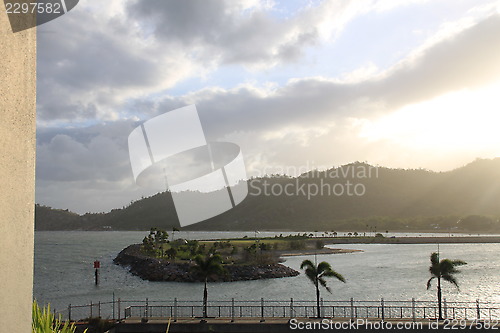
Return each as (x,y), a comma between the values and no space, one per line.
(160,259)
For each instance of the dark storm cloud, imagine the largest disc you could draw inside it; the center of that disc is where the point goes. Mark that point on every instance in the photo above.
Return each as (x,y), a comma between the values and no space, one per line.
(81,66)
(219,30)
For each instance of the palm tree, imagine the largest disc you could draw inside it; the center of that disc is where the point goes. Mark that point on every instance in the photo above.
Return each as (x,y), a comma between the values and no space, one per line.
(316,274)
(443,269)
(205,267)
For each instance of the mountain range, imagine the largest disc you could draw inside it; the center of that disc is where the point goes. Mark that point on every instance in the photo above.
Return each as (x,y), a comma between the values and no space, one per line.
(352,197)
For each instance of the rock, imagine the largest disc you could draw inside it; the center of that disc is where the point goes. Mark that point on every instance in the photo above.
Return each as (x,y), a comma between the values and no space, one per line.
(153,269)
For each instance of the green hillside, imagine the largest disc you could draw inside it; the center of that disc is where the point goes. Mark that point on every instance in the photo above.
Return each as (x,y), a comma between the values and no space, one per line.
(464,199)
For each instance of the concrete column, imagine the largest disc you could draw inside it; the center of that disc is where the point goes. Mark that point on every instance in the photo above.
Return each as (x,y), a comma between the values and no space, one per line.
(17,174)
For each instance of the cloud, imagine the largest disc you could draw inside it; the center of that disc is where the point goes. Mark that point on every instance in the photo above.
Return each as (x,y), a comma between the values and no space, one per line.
(86,169)
(118,70)
(96,153)
(131,50)
(467,60)
(89,71)
(220,31)
(243,32)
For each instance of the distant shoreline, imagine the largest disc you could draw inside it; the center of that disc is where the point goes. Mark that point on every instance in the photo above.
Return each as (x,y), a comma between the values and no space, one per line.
(412,240)
(313,252)
(415,232)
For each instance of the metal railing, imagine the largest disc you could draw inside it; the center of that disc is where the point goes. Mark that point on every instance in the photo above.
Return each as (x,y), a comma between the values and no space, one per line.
(380,309)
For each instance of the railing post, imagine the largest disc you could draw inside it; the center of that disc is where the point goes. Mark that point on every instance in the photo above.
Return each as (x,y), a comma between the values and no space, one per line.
(232,310)
(322,309)
(291,307)
(478,309)
(99,309)
(445,308)
(146,309)
(175,309)
(119,308)
(114,305)
(413,309)
(262,310)
(352,308)
(69,312)
(382,308)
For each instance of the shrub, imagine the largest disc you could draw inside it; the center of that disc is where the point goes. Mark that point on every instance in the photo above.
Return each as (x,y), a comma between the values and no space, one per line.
(297,245)
(45,321)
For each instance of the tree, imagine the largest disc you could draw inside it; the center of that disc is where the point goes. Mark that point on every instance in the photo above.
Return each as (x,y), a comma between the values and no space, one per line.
(161,237)
(174,229)
(153,243)
(205,267)
(316,274)
(171,253)
(444,269)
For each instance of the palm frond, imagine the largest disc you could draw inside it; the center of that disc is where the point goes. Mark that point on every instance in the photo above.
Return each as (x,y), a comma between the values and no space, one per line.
(311,274)
(429,282)
(434,258)
(306,263)
(458,262)
(451,279)
(338,276)
(448,266)
(324,267)
(208,266)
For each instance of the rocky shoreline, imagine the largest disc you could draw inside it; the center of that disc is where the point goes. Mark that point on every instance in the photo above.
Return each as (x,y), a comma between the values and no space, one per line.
(153,269)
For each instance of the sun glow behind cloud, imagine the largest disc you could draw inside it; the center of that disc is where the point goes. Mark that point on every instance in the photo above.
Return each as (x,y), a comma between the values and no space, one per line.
(461,121)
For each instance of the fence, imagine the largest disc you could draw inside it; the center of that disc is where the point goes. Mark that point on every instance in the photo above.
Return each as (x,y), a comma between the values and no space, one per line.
(382,309)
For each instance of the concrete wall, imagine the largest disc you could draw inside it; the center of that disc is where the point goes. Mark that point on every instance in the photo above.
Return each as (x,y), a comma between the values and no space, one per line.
(17,174)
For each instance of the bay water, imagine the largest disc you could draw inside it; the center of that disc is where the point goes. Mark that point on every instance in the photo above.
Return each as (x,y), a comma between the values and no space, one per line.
(64,274)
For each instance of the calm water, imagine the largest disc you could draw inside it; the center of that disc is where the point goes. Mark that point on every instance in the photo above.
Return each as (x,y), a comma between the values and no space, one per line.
(64,272)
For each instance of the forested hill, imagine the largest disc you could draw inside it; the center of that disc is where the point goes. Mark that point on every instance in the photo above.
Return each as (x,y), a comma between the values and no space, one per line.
(354,197)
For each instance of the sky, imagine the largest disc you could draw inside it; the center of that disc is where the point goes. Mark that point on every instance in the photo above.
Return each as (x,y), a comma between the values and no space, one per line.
(296,84)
